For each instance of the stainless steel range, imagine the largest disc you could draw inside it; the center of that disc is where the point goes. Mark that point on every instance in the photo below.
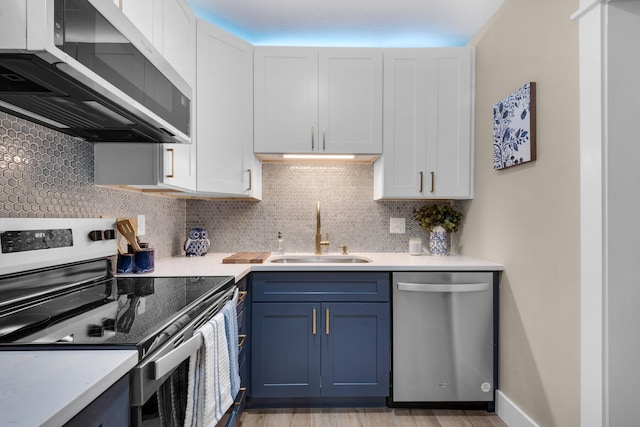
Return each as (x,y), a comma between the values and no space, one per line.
(57,291)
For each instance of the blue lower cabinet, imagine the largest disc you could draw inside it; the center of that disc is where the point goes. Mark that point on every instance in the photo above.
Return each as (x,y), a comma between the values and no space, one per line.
(320,349)
(355,350)
(285,355)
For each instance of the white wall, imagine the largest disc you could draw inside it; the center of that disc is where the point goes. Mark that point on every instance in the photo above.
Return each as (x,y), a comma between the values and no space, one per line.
(527,217)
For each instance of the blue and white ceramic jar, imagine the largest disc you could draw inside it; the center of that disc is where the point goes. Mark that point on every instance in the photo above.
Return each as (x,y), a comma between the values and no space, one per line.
(439,241)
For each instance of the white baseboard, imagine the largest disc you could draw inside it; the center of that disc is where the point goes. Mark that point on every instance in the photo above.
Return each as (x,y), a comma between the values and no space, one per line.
(510,413)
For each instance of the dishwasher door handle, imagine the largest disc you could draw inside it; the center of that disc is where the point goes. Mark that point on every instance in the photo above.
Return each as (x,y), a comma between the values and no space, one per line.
(440,287)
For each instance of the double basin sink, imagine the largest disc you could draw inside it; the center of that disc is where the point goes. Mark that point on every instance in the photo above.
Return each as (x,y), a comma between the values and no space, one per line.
(318,259)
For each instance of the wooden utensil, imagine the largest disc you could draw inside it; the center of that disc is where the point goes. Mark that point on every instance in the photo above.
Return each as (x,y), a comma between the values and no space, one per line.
(126,229)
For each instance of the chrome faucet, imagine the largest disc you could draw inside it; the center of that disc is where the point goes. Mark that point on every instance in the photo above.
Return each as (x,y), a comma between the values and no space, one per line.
(319,242)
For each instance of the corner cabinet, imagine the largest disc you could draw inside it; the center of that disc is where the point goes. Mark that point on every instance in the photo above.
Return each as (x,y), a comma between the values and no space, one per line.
(320,335)
(317,100)
(226,164)
(428,124)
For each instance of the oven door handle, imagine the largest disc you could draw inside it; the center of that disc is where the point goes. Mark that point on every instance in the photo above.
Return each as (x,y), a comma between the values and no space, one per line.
(175,357)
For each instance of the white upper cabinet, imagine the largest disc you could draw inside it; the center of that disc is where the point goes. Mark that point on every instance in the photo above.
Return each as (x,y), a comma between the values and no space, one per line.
(428,119)
(317,100)
(170,25)
(226,164)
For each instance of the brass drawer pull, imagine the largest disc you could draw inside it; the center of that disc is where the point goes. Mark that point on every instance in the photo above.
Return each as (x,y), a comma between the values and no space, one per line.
(243,338)
(314,322)
(243,391)
(242,295)
(327,322)
(313,143)
(173,163)
(433,181)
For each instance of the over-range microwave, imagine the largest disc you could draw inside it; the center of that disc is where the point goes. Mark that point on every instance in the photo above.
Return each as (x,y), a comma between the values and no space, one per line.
(82,68)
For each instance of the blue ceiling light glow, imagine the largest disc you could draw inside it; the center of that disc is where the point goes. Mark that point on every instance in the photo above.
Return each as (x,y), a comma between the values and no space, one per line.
(223,23)
(358,40)
(338,38)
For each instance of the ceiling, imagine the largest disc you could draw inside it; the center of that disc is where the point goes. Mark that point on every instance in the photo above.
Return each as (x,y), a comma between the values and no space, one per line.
(375,23)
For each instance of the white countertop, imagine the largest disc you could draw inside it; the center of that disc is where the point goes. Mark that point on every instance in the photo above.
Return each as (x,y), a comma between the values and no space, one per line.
(211,265)
(50,387)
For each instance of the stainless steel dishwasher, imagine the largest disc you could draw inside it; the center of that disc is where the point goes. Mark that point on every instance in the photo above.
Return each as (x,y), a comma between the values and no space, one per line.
(444,348)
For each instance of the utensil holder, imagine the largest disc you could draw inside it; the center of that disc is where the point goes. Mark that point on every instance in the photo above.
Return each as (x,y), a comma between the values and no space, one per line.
(144,260)
(125,263)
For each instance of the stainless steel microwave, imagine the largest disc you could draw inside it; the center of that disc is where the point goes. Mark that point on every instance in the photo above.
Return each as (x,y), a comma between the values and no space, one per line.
(82,68)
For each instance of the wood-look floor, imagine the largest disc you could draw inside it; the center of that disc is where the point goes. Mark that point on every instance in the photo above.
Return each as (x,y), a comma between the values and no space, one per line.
(368,417)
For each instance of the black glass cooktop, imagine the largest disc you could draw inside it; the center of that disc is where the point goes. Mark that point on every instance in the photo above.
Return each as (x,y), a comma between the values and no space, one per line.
(138,312)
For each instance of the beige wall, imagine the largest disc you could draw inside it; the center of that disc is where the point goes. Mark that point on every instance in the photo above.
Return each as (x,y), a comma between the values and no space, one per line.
(527,217)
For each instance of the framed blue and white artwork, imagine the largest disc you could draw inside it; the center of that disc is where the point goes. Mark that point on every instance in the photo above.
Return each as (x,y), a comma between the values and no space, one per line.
(514,128)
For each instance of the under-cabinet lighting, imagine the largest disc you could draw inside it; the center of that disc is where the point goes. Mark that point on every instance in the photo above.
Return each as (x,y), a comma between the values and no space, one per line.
(319,156)
(107,112)
(34,116)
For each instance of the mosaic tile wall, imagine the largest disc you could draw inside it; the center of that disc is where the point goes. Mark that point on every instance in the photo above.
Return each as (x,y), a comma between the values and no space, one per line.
(44,173)
(290,192)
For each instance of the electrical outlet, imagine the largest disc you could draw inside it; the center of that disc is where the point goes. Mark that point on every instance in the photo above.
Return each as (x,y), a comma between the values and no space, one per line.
(397,225)
(141,225)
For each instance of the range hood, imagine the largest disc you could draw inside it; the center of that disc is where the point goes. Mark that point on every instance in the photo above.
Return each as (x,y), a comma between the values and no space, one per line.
(84,69)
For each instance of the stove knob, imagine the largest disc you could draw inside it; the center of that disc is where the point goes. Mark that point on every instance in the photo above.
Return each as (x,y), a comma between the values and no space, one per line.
(96,235)
(109,234)
(109,324)
(95,331)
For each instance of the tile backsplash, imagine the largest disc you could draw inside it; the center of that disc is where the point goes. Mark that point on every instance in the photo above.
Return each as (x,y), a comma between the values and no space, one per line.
(44,173)
(290,191)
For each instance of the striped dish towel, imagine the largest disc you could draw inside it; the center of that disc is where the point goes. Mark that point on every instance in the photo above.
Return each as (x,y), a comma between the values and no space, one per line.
(231,329)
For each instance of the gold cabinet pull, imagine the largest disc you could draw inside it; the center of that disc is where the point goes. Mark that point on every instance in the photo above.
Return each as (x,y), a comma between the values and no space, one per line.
(421,181)
(242,337)
(173,163)
(313,142)
(314,322)
(433,181)
(242,295)
(324,139)
(243,391)
(250,179)
(327,322)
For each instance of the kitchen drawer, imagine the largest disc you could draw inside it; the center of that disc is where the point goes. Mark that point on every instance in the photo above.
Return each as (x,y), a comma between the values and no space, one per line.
(320,286)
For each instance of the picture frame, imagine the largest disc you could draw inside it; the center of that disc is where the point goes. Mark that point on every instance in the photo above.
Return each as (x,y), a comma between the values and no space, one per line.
(514,128)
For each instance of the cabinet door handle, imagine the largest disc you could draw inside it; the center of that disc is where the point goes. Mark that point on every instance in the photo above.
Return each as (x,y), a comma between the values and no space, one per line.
(173,163)
(433,181)
(242,340)
(250,179)
(327,322)
(421,181)
(314,322)
(242,295)
(324,139)
(313,141)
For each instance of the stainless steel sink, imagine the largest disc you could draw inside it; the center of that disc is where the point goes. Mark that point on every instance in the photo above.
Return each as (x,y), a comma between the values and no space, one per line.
(315,259)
